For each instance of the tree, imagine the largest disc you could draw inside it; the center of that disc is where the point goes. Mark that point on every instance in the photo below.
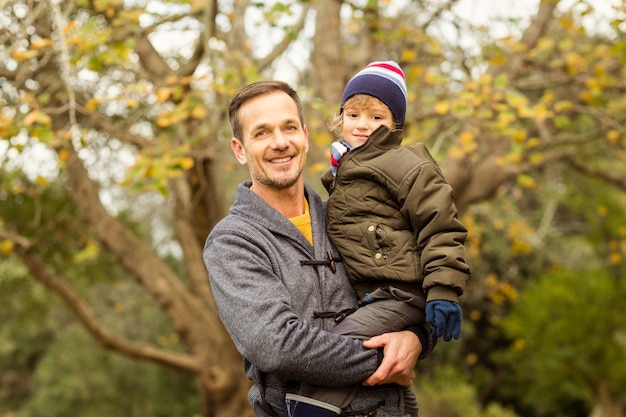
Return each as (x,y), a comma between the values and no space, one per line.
(88,80)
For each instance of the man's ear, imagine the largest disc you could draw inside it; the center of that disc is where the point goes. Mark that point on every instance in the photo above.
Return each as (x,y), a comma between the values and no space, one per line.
(237,147)
(306,136)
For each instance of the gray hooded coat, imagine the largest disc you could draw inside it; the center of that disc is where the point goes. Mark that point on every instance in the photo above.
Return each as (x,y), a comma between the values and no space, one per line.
(268,281)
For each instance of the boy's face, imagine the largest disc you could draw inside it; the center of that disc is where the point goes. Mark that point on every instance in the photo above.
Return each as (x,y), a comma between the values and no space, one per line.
(362,115)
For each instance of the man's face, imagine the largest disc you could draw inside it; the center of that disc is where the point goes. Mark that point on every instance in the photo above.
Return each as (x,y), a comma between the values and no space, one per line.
(274,143)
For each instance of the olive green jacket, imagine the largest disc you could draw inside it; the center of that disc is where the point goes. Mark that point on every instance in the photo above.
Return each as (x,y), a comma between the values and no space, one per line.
(392,216)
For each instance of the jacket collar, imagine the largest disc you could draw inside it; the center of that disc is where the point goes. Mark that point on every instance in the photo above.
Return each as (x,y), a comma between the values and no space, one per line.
(381,140)
(249,205)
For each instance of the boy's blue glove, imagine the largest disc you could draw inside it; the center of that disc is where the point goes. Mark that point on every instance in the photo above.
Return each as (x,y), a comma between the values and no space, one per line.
(446,317)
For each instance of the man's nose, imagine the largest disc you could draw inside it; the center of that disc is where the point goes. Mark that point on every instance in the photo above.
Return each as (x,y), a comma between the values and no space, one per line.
(280,140)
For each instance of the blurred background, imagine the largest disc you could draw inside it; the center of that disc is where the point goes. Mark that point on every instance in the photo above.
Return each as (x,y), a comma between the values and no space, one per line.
(115,164)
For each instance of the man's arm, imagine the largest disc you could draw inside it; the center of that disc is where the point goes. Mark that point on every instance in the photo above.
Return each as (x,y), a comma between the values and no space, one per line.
(400,353)
(256,307)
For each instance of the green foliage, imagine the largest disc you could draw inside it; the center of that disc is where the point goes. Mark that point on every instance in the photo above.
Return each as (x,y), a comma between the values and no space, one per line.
(601,210)
(56,368)
(567,336)
(24,334)
(77,378)
(447,393)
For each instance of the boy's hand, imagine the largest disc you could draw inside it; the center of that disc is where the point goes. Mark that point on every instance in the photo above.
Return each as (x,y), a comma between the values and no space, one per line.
(446,317)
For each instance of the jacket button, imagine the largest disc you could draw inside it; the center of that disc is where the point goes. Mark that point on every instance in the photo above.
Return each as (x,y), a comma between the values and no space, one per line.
(378,255)
(371,228)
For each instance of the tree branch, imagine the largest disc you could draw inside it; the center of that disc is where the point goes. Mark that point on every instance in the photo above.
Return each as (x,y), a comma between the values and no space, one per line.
(97,122)
(64,58)
(285,42)
(186,233)
(133,254)
(480,182)
(529,39)
(607,177)
(88,318)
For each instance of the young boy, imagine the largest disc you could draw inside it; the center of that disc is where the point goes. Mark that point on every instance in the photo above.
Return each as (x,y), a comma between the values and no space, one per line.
(391,215)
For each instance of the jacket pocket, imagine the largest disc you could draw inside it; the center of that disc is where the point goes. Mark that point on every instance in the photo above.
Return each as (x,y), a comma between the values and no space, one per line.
(394,251)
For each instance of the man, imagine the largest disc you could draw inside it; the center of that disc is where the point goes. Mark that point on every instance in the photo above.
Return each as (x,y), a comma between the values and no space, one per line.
(278,282)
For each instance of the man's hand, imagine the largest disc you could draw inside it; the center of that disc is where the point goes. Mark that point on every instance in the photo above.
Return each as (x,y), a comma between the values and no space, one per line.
(401,350)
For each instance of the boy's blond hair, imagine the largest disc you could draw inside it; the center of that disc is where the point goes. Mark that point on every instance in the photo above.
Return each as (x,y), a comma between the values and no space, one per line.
(360,101)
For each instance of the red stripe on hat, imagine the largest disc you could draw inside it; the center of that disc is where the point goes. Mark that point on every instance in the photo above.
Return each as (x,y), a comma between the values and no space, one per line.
(389,67)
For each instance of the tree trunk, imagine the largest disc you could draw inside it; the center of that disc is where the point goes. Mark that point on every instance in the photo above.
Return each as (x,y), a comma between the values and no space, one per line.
(329,62)
(607,404)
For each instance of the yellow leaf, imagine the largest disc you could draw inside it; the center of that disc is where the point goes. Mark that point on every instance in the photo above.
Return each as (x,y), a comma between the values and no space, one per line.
(548,96)
(24,55)
(536,158)
(186,163)
(615,258)
(471,359)
(88,253)
(466,137)
(37,116)
(505,119)
(533,142)
(575,63)
(475,315)
(41,43)
(519,344)
(491,281)
(199,112)
(92,104)
(63,154)
(613,136)
(562,105)
(6,247)
(586,96)
(323,139)
(541,112)
(163,94)
(498,60)
(69,27)
(519,136)
(526,181)
(442,107)
(164,119)
(408,55)
(456,153)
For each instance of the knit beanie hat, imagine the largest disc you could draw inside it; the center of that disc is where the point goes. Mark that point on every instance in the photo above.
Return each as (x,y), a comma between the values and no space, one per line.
(383,80)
